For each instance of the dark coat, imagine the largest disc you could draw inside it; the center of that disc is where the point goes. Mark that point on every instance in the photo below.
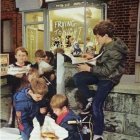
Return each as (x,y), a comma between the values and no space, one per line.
(111,64)
(71,128)
(28,108)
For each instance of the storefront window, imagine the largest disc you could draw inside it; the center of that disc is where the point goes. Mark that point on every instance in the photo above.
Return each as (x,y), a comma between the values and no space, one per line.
(34,17)
(34,39)
(34,33)
(65,23)
(77,22)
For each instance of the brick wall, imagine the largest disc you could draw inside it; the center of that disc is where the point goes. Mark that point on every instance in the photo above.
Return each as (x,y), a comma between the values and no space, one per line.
(9,12)
(124,14)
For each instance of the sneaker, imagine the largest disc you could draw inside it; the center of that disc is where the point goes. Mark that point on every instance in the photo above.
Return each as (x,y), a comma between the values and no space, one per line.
(88,106)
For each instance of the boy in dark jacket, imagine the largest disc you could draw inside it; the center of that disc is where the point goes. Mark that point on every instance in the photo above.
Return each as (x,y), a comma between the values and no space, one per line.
(26,105)
(107,72)
(59,104)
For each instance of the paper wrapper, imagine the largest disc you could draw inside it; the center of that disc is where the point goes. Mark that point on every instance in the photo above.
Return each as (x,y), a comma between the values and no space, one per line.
(50,126)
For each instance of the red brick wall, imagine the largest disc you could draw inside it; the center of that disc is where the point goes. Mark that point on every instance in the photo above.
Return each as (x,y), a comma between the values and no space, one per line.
(9,12)
(124,14)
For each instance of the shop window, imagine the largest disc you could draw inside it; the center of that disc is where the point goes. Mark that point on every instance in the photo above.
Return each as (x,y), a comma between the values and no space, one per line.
(6,38)
(34,33)
(77,22)
(34,39)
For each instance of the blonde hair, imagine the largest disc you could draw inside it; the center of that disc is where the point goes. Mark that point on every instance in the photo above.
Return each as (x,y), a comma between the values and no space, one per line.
(59,101)
(21,49)
(39,86)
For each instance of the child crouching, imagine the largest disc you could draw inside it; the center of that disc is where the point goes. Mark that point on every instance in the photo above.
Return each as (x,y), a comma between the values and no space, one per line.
(60,106)
(26,105)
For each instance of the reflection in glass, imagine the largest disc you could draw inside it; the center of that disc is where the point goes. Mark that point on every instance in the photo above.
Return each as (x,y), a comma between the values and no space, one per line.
(34,39)
(71,22)
(64,23)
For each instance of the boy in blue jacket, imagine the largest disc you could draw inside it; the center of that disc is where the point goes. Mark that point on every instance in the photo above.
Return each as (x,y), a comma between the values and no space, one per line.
(59,104)
(26,105)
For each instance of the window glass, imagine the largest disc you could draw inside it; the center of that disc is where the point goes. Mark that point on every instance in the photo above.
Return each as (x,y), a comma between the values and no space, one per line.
(34,39)
(65,23)
(71,22)
(34,17)
(93,16)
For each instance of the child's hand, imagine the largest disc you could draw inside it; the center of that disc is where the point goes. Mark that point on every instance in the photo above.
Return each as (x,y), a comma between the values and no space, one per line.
(43,110)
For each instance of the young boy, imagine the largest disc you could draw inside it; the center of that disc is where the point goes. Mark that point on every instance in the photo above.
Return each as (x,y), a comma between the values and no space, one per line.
(40,64)
(59,104)
(14,81)
(109,68)
(26,105)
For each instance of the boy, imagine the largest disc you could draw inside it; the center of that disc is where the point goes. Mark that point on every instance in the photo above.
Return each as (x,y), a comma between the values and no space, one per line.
(14,81)
(26,105)
(40,64)
(60,106)
(109,68)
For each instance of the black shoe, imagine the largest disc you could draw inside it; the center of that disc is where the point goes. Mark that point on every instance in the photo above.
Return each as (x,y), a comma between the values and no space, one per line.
(87,108)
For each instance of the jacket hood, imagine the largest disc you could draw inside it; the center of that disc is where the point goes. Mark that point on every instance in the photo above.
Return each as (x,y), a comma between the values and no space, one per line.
(117,44)
(71,116)
(22,95)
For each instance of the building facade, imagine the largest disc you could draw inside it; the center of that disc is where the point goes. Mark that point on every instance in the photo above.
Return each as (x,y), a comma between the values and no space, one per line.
(36,24)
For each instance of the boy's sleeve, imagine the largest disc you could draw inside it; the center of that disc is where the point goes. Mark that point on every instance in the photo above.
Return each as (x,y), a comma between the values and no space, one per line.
(20,106)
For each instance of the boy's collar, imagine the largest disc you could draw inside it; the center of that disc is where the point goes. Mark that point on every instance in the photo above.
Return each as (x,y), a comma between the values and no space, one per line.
(61,117)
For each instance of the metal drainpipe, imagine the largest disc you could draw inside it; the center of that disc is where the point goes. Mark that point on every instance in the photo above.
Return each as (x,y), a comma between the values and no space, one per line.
(105,5)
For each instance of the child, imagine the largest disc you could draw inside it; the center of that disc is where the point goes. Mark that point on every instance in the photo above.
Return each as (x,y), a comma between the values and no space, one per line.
(26,105)
(59,104)
(109,68)
(40,64)
(14,81)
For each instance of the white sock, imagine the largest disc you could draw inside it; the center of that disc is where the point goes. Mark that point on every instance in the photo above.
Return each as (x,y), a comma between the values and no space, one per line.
(97,136)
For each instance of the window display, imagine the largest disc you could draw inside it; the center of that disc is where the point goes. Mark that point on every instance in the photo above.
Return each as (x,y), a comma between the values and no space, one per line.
(73,24)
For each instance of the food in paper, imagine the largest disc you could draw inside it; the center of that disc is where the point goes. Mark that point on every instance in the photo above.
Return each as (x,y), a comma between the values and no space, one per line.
(13,70)
(49,135)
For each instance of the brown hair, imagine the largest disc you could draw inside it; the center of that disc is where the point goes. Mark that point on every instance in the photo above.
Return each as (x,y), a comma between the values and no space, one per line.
(40,53)
(59,101)
(39,86)
(104,27)
(21,49)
